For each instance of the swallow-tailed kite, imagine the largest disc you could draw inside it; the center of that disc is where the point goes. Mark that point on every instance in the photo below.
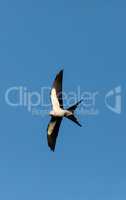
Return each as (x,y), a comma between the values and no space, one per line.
(58,112)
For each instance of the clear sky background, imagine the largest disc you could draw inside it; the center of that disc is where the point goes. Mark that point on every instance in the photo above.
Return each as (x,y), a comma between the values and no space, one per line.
(89,38)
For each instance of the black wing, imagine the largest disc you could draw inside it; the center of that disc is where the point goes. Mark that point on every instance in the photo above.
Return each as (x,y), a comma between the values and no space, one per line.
(56,91)
(52,131)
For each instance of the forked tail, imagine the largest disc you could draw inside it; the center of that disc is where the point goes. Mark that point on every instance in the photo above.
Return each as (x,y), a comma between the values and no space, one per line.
(72,116)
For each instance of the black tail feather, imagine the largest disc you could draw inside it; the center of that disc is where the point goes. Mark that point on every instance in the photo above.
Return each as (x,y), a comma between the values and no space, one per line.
(73,108)
(74,119)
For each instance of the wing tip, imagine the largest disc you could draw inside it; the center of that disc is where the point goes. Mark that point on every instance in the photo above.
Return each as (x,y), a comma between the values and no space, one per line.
(80,125)
(52,149)
(61,71)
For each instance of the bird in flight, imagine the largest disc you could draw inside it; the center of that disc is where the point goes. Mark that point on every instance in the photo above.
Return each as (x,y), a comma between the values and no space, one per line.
(58,112)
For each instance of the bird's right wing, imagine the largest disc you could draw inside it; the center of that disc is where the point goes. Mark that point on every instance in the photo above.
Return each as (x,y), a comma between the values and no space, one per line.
(52,131)
(56,92)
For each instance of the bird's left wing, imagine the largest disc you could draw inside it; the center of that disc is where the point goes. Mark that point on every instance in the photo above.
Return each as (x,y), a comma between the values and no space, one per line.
(56,92)
(52,131)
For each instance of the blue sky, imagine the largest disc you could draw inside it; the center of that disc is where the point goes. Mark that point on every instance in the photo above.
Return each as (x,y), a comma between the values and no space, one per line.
(89,38)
